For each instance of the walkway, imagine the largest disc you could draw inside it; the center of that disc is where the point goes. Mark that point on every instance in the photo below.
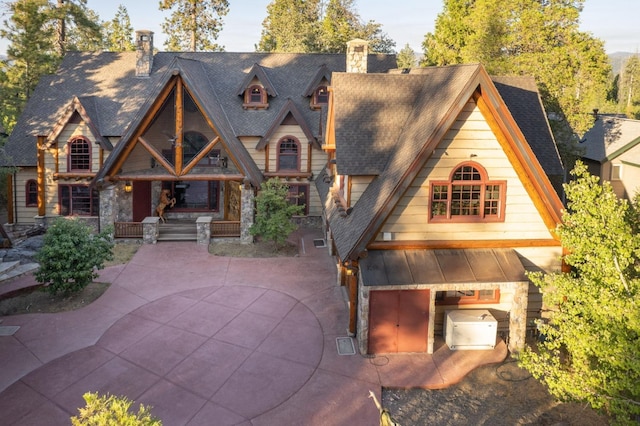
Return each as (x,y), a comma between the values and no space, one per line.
(211,340)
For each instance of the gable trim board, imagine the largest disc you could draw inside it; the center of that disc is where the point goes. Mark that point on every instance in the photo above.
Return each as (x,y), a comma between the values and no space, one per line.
(288,108)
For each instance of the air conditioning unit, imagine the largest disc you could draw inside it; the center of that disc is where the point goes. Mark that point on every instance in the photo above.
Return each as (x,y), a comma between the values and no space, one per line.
(470,329)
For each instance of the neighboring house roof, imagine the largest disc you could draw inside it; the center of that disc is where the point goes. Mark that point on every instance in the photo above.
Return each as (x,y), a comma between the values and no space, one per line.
(118,95)
(389,125)
(610,137)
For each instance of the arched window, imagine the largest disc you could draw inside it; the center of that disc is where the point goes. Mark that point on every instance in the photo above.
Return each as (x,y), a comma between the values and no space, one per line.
(79,150)
(288,154)
(31,193)
(255,96)
(468,196)
(321,96)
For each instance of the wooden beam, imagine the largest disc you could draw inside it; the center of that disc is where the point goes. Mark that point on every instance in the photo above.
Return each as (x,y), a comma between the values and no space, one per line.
(203,153)
(42,140)
(10,197)
(459,244)
(144,124)
(352,287)
(177,158)
(156,155)
(208,177)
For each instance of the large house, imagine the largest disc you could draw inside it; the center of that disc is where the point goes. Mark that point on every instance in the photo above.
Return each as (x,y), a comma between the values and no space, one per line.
(439,196)
(437,188)
(110,131)
(612,152)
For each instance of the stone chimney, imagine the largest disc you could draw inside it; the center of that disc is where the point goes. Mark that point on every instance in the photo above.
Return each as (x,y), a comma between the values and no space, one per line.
(357,54)
(144,53)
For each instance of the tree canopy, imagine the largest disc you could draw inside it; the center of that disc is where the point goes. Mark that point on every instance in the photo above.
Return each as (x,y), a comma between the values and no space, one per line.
(590,344)
(315,26)
(119,32)
(193,25)
(528,37)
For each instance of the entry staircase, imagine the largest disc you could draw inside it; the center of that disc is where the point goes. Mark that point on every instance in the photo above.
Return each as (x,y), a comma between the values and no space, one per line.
(177,230)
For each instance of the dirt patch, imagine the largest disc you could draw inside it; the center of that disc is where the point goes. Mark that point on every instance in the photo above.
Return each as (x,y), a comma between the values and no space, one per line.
(37,300)
(257,249)
(501,394)
(122,253)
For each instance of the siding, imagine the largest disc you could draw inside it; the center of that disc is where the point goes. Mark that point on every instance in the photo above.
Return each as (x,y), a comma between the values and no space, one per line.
(70,131)
(24,214)
(469,138)
(358,185)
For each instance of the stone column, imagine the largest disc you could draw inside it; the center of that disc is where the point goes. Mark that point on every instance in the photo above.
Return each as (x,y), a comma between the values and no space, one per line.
(247,213)
(107,207)
(518,317)
(150,229)
(203,228)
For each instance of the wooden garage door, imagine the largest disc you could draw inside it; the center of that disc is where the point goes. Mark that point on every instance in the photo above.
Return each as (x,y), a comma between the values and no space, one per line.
(398,321)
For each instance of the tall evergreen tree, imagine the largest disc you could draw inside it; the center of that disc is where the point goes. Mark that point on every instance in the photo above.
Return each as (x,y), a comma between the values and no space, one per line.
(316,26)
(193,25)
(406,57)
(290,26)
(119,32)
(629,88)
(31,53)
(528,37)
(75,25)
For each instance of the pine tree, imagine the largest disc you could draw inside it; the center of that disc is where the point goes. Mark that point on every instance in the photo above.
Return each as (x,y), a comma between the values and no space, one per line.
(406,57)
(194,25)
(119,32)
(528,37)
(629,88)
(290,26)
(77,27)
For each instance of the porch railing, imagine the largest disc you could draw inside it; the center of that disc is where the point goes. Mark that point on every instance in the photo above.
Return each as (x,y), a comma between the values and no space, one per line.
(128,229)
(225,228)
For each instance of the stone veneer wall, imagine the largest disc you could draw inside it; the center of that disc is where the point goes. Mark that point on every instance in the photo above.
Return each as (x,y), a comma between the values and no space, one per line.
(247,212)
(357,55)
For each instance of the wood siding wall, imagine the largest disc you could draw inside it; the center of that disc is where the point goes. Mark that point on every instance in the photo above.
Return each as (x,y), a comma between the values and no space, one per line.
(24,214)
(357,186)
(470,138)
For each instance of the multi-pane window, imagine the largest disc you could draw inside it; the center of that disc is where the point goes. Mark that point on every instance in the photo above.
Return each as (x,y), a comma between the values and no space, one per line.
(195,195)
(468,196)
(31,193)
(321,96)
(466,297)
(288,154)
(78,200)
(255,95)
(79,155)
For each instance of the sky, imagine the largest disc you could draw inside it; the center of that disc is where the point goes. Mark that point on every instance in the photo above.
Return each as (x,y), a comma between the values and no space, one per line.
(404,21)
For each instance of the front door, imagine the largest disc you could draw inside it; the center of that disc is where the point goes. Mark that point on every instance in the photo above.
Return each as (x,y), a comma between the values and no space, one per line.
(398,321)
(141,200)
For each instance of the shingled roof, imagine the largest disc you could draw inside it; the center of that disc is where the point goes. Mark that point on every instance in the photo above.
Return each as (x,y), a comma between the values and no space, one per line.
(609,137)
(108,78)
(389,125)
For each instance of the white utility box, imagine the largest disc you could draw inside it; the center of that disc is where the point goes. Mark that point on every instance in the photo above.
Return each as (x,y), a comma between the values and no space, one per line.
(470,329)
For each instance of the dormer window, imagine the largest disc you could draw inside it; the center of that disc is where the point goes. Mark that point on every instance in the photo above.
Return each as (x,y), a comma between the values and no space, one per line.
(320,97)
(255,97)
(79,155)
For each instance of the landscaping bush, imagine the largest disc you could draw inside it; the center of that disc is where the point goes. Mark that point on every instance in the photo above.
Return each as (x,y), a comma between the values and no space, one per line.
(70,255)
(111,410)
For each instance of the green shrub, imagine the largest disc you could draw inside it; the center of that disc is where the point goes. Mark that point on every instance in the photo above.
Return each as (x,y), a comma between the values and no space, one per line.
(274,212)
(70,255)
(112,410)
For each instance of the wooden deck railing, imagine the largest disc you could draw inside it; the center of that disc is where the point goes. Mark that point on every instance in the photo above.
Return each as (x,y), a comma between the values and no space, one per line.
(225,228)
(128,229)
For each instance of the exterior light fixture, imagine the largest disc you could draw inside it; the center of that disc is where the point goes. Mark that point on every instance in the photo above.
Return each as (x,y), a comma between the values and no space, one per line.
(128,186)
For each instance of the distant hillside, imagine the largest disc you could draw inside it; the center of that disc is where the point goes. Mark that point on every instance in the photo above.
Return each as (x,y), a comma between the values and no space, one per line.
(618,59)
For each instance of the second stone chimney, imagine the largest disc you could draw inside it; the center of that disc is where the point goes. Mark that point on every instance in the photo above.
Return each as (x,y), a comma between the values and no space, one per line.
(357,55)
(144,53)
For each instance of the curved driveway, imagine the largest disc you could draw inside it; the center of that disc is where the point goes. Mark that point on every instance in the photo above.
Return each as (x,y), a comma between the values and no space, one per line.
(211,340)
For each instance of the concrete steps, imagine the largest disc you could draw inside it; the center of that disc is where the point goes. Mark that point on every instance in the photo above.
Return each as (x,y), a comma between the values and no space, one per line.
(177,231)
